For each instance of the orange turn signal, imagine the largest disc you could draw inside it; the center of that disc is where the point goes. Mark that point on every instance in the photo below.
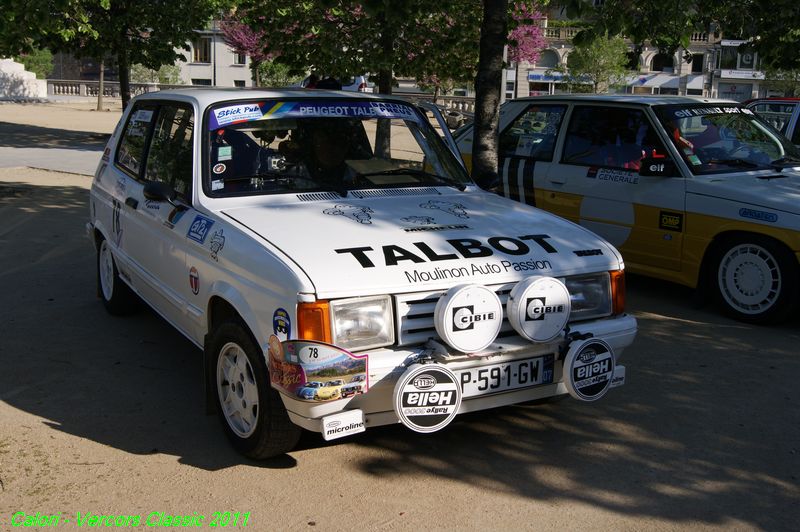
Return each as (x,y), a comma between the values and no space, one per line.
(617,291)
(314,321)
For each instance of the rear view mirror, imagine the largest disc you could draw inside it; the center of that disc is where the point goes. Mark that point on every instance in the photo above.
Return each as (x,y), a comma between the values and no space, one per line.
(157,191)
(657,166)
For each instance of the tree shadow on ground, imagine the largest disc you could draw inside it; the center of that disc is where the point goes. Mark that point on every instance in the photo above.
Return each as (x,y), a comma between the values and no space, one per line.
(706,433)
(27,136)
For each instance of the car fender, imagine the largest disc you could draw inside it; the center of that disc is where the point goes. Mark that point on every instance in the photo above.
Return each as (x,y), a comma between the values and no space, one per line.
(235,299)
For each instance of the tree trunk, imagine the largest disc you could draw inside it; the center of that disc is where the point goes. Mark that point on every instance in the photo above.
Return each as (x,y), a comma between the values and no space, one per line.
(383,133)
(101,86)
(124,78)
(488,81)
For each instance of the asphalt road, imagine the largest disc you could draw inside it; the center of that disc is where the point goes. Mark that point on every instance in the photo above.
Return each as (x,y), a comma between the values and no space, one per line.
(104,415)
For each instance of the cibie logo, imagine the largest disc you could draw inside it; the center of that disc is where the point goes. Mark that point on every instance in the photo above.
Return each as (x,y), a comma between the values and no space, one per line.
(424,382)
(464,318)
(537,307)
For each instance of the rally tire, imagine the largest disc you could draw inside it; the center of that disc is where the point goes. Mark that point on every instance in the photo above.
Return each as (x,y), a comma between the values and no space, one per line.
(251,411)
(756,279)
(117,297)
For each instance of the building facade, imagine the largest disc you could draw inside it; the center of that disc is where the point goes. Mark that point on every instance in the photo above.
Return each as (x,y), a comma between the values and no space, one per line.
(711,67)
(210,61)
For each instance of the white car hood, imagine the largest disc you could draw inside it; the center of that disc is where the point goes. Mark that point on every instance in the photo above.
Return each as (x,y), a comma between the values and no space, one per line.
(775,190)
(355,247)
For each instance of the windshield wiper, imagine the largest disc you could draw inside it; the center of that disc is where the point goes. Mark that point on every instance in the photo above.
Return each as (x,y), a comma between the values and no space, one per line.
(787,161)
(447,180)
(741,163)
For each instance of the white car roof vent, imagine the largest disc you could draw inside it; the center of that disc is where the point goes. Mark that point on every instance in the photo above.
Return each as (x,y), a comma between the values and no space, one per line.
(385,192)
(319,196)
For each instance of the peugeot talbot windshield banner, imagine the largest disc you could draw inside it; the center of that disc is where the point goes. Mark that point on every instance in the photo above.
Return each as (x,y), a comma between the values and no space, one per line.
(270,110)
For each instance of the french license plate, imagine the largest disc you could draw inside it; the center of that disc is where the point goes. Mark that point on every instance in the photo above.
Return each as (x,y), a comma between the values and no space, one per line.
(506,376)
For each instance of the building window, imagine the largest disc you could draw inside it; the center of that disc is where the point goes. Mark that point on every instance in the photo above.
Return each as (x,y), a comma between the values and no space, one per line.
(198,81)
(697,63)
(663,63)
(238,83)
(239,59)
(201,50)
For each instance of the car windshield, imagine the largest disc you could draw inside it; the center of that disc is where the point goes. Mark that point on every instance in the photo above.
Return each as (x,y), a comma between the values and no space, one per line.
(725,138)
(289,146)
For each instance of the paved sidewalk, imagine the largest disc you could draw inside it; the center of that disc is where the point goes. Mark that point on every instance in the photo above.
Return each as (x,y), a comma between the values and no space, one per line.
(66,137)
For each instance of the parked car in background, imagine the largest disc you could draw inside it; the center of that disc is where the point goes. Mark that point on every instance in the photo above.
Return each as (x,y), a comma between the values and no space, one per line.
(781,113)
(308,236)
(346,83)
(695,191)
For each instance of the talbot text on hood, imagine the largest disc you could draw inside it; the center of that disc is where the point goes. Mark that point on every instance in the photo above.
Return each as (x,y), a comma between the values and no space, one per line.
(466,248)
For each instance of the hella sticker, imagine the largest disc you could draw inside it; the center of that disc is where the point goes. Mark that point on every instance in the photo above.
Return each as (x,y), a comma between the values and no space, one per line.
(590,369)
(431,407)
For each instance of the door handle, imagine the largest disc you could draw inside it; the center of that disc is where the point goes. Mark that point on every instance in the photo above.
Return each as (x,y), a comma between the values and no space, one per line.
(132,202)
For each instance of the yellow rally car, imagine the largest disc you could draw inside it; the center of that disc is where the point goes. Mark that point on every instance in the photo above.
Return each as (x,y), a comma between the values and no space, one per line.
(330,390)
(695,191)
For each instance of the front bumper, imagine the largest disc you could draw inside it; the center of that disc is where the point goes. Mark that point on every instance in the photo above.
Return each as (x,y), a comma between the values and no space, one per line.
(387,365)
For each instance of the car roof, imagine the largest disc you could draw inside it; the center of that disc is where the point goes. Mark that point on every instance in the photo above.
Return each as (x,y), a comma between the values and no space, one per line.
(206,96)
(639,99)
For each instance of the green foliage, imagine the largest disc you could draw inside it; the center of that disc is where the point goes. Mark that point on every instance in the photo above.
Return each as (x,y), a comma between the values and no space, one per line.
(273,74)
(165,75)
(26,24)
(786,81)
(602,63)
(39,61)
(772,24)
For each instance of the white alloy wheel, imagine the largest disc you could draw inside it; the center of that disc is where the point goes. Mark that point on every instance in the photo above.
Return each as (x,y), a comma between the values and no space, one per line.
(749,278)
(237,390)
(106,270)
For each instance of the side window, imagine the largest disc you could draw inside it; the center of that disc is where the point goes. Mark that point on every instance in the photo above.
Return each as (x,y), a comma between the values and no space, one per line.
(611,137)
(533,134)
(131,151)
(775,114)
(796,133)
(169,159)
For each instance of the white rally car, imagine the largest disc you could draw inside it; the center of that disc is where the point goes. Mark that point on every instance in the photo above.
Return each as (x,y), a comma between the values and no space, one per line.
(300,236)
(695,191)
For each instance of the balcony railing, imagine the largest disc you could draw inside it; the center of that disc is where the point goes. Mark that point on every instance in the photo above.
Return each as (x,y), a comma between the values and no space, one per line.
(62,87)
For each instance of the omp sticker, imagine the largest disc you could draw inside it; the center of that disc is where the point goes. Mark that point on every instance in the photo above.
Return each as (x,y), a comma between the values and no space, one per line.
(670,221)
(219,168)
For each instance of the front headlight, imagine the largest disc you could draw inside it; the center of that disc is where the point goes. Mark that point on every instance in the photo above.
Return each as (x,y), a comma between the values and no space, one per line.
(590,296)
(362,322)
